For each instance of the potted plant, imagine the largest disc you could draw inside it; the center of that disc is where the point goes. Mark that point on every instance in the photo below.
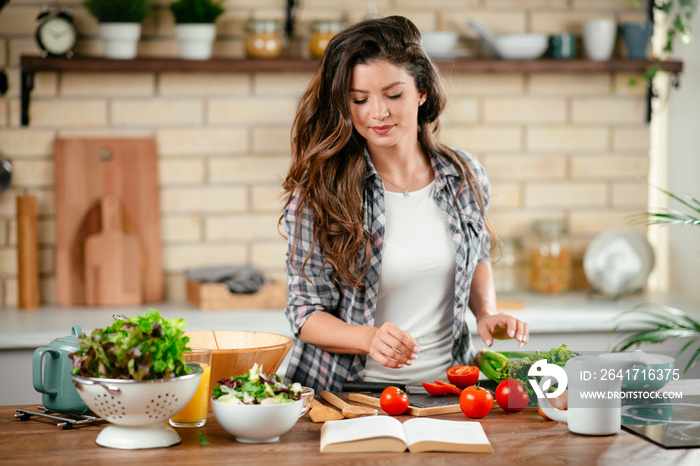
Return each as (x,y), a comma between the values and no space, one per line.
(678,15)
(120,24)
(194,26)
(663,322)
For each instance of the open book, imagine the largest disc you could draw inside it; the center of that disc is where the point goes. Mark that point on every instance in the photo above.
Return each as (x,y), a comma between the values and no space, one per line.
(385,433)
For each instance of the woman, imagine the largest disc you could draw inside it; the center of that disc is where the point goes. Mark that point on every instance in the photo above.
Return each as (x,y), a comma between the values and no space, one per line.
(388,240)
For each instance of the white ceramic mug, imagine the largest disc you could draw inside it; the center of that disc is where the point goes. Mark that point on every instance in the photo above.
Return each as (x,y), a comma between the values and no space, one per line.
(599,38)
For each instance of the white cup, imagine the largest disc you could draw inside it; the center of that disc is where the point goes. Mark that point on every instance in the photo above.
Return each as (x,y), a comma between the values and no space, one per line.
(599,38)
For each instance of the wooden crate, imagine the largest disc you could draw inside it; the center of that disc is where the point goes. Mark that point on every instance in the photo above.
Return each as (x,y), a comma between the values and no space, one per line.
(211,296)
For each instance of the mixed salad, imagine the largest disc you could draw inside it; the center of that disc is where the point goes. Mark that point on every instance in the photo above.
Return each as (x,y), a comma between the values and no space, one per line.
(141,348)
(256,387)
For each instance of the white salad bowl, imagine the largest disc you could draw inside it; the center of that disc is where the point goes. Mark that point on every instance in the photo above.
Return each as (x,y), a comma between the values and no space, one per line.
(260,423)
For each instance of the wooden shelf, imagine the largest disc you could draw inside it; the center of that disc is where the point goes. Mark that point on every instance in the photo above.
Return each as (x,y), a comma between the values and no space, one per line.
(34,64)
(240,65)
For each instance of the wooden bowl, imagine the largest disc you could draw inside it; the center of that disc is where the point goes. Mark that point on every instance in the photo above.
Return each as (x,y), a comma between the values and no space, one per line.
(235,351)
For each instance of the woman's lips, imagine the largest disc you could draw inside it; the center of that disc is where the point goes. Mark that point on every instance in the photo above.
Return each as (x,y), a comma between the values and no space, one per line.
(382,129)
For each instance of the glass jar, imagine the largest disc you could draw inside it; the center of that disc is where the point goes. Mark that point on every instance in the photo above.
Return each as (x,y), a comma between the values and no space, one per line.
(507,270)
(263,38)
(550,257)
(322,32)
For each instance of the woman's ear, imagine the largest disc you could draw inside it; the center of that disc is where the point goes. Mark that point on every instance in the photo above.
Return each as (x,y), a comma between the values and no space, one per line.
(423,95)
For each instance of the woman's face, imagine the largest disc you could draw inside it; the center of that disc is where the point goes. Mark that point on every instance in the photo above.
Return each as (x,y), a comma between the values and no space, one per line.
(384,104)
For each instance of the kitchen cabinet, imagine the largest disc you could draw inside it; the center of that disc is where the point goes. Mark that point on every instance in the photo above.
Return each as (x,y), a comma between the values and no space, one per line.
(33,64)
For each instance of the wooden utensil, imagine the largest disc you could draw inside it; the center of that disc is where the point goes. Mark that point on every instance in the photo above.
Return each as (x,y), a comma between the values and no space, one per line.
(112,261)
(322,413)
(86,170)
(27,252)
(349,411)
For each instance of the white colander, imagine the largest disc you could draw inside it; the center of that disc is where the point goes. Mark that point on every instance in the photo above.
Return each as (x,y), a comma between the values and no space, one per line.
(137,409)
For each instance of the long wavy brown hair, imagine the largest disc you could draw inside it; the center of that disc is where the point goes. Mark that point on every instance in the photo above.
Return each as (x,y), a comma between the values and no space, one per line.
(328,167)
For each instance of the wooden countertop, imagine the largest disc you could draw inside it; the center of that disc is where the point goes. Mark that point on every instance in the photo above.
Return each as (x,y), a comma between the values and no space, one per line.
(517,438)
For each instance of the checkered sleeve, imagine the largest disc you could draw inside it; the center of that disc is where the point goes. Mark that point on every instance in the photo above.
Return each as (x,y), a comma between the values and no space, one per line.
(313,290)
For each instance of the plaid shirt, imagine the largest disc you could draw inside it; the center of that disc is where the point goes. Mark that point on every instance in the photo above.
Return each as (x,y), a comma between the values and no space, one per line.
(322,370)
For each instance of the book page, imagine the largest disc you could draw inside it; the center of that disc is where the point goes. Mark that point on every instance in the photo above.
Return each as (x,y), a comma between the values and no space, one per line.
(426,434)
(357,431)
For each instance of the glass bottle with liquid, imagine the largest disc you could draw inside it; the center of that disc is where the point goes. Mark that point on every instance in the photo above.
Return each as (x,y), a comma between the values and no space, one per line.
(549,252)
(322,31)
(263,38)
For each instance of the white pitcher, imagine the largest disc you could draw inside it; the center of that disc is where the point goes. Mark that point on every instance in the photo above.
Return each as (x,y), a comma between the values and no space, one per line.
(594,394)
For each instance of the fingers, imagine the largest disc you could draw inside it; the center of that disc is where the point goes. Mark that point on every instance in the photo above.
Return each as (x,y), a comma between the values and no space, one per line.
(502,326)
(485,335)
(393,347)
(522,334)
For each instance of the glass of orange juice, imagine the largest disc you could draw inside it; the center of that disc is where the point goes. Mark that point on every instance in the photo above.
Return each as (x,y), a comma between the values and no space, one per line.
(195,413)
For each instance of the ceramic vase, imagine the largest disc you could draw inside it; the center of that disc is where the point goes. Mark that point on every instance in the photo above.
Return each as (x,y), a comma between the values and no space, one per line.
(195,40)
(599,38)
(637,37)
(120,39)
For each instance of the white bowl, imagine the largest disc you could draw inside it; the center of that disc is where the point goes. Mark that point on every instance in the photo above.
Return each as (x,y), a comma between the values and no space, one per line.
(526,46)
(137,409)
(439,43)
(641,378)
(260,423)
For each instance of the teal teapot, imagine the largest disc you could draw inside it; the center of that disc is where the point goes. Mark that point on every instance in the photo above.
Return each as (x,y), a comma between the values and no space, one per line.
(52,374)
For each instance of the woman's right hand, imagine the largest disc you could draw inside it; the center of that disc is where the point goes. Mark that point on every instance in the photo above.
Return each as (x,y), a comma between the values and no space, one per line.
(392,347)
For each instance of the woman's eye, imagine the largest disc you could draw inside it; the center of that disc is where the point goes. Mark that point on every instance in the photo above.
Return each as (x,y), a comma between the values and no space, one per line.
(395,96)
(359,102)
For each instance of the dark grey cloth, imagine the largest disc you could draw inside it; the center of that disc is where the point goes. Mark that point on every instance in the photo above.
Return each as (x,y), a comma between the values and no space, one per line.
(241,279)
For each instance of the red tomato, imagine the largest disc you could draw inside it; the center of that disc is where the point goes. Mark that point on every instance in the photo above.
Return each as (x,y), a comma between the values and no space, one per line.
(561,402)
(435,389)
(463,376)
(453,388)
(393,401)
(511,395)
(476,402)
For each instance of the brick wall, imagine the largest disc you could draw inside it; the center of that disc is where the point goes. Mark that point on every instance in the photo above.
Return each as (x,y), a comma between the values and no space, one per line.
(555,145)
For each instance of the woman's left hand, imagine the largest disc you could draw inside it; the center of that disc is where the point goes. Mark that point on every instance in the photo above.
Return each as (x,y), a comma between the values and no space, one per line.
(502,327)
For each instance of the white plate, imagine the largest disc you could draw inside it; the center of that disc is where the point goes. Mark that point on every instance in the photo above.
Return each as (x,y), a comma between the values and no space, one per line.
(618,262)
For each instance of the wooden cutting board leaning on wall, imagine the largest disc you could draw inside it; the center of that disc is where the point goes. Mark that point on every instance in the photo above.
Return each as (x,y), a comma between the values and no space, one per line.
(86,171)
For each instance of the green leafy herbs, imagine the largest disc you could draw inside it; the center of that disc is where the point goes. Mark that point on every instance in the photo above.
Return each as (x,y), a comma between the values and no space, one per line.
(141,348)
(662,323)
(256,387)
(196,11)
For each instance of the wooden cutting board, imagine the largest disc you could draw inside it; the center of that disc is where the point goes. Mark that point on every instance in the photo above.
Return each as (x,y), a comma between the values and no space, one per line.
(418,404)
(112,261)
(86,170)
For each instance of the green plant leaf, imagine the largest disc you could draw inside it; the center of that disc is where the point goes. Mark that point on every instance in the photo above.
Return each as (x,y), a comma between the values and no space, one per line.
(202,439)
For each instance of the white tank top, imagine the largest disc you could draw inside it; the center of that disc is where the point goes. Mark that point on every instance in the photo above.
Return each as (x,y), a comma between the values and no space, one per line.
(416,285)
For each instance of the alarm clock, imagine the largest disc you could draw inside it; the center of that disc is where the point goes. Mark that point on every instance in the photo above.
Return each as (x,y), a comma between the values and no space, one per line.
(56,34)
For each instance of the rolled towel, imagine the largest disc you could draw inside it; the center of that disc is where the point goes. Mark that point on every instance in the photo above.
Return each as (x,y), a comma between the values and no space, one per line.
(241,279)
